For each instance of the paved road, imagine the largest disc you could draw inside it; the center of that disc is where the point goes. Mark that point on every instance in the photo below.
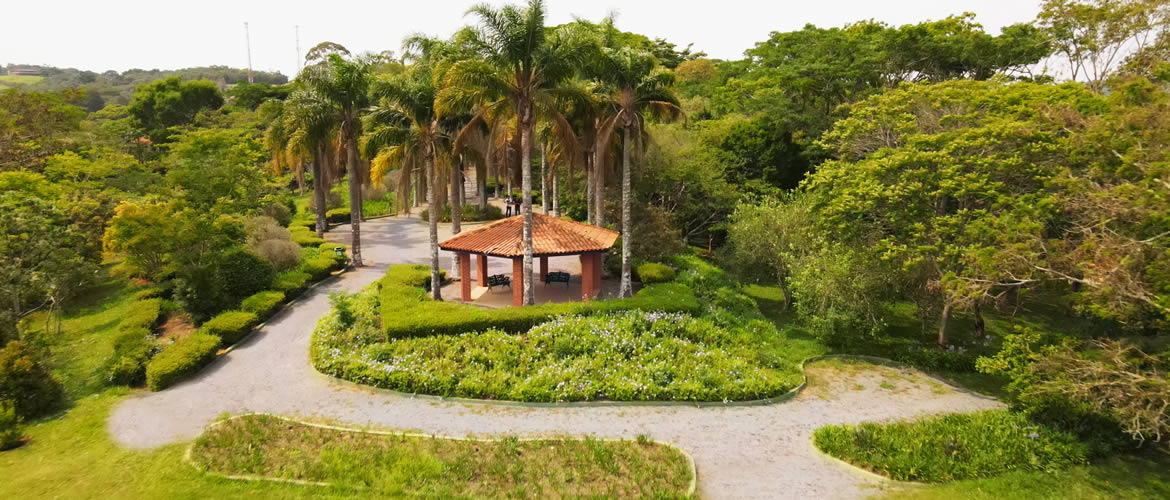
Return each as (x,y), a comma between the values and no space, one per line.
(741,452)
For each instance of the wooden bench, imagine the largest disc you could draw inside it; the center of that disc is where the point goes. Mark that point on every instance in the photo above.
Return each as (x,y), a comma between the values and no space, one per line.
(499,280)
(557,277)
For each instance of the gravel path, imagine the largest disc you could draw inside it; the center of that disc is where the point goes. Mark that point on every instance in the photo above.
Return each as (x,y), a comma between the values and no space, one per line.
(741,452)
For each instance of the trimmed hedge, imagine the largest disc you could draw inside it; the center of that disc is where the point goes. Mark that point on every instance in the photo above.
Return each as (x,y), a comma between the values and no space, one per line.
(263,304)
(470,213)
(133,349)
(337,216)
(230,326)
(952,447)
(652,272)
(143,314)
(408,311)
(292,282)
(153,292)
(186,356)
(304,236)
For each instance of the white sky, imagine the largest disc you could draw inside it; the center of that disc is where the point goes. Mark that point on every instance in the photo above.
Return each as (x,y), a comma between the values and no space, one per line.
(123,34)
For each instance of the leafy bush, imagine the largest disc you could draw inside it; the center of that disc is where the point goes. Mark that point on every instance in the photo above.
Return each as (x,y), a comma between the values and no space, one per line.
(186,356)
(281,254)
(143,315)
(292,282)
(10,431)
(263,304)
(652,272)
(30,387)
(279,212)
(304,236)
(231,326)
(408,312)
(337,216)
(133,349)
(471,213)
(628,356)
(153,292)
(243,273)
(952,447)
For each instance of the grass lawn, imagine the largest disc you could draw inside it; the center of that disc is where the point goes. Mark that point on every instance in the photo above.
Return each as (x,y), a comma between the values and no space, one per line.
(77,353)
(1125,477)
(393,465)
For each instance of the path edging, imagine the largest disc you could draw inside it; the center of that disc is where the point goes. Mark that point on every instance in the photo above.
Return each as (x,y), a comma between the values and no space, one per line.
(691,487)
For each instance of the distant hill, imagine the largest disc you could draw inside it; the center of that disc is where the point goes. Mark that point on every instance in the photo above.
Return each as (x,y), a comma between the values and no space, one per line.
(111,87)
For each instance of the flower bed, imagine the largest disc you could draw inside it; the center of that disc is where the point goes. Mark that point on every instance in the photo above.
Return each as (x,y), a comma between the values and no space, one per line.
(627,356)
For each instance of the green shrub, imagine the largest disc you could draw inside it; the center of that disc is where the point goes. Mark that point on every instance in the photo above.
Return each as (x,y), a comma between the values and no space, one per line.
(181,359)
(143,314)
(952,447)
(10,431)
(243,273)
(30,387)
(133,349)
(653,272)
(153,292)
(407,311)
(230,326)
(305,237)
(263,304)
(292,282)
(337,216)
(471,213)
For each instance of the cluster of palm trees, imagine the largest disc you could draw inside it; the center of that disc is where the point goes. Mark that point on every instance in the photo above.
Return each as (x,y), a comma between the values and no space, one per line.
(479,98)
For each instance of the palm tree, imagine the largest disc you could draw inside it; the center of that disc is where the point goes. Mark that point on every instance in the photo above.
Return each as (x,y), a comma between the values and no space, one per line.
(642,89)
(521,65)
(310,127)
(343,85)
(404,129)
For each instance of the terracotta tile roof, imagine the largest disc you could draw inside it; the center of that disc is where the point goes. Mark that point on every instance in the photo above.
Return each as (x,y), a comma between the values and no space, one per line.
(550,236)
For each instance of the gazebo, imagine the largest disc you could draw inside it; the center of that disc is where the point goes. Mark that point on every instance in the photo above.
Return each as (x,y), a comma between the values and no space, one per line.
(551,237)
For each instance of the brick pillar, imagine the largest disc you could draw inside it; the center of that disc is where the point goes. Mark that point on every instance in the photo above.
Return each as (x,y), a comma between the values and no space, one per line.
(517,281)
(587,276)
(465,276)
(596,274)
(543,268)
(481,269)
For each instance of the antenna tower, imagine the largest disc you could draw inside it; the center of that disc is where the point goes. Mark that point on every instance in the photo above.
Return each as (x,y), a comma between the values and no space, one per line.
(300,60)
(248,41)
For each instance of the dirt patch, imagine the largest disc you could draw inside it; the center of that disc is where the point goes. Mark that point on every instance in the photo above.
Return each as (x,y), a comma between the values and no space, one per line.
(176,327)
(829,379)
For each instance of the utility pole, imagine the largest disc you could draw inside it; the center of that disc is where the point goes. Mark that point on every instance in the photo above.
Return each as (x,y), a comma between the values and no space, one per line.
(248,42)
(300,60)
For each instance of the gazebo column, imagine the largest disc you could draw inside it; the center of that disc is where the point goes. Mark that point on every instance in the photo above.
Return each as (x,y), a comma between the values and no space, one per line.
(543,268)
(587,276)
(465,276)
(481,269)
(596,274)
(517,281)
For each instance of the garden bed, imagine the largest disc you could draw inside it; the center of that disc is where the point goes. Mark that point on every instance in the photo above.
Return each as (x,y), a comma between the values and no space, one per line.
(389,464)
(647,348)
(952,447)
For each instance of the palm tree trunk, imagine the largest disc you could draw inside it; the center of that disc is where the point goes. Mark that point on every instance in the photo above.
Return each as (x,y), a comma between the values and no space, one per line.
(626,288)
(599,188)
(482,179)
(433,217)
(355,201)
(456,203)
(319,188)
(526,192)
(590,200)
(543,180)
(556,192)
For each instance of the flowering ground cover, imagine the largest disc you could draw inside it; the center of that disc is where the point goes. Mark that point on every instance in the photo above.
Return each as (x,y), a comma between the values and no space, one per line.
(611,354)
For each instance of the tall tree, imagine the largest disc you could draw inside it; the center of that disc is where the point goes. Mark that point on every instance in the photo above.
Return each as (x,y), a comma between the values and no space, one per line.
(522,65)
(311,126)
(404,129)
(642,89)
(344,85)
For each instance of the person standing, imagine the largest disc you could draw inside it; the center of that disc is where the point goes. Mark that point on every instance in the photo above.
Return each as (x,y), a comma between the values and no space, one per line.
(508,201)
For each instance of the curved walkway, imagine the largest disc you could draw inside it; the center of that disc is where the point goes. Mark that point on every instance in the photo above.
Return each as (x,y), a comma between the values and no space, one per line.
(741,452)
